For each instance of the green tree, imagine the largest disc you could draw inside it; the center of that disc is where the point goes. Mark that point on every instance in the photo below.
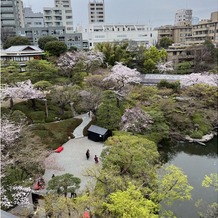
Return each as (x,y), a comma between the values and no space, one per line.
(208,210)
(114,52)
(66,183)
(38,70)
(127,156)
(43,85)
(108,114)
(10,72)
(43,40)
(16,40)
(55,48)
(130,204)
(173,185)
(63,96)
(165,42)
(184,67)
(152,57)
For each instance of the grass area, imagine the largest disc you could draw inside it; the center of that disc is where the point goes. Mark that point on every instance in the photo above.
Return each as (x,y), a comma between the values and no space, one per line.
(37,114)
(56,133)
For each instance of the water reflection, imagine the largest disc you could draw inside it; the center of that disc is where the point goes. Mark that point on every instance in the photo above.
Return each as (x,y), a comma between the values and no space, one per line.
(170,150)
(196,161)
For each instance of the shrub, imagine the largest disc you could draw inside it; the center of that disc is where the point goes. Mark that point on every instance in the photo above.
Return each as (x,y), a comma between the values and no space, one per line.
(66,115)
(18,116)
(197,134)
(37,116)
(175,86)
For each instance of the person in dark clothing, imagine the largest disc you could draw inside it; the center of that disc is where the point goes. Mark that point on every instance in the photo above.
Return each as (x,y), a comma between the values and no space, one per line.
(87,154)
(96,159)
(53,176)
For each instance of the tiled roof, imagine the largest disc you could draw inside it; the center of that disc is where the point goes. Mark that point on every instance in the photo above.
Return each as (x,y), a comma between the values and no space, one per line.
(20,48)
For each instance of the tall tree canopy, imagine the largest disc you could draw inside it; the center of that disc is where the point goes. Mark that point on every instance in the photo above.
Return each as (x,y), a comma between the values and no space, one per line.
(43,40)
(152,57)
(108,114)
(16,40)
(55,48)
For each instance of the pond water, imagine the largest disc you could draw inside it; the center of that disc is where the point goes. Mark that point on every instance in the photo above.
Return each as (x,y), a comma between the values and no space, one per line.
(196,161)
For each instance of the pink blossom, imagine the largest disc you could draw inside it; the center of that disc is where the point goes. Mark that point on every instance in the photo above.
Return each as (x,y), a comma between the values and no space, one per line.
(23,90)
(123,75)
(135,120)
(197,78)
(19,194)
(10,131)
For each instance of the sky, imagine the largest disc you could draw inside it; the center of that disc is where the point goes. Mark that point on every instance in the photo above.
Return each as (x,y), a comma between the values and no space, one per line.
(153,12)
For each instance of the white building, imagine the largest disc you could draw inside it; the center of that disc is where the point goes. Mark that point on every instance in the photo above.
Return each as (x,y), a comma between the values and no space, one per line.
(183,17)
(32,19)
(142,34)
(96,12)
(60,15)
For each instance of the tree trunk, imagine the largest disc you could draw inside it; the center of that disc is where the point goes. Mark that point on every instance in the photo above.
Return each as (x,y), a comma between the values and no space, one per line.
(33,104)
(11,103)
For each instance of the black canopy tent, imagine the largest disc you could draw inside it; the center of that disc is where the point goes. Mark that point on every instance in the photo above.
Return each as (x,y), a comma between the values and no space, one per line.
(97,133)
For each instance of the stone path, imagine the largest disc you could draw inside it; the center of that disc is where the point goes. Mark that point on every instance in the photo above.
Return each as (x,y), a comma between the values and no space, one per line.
(73,159)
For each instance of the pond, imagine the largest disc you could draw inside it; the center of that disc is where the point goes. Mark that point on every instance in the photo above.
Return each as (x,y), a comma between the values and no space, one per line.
(196,161)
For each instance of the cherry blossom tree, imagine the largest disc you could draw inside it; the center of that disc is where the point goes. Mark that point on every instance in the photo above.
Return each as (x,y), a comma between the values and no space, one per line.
(70,60)
(14,195)
(10,131)
(135,120)
(90,99)
(23,90)
(123,75)
(165,67)
(197,78)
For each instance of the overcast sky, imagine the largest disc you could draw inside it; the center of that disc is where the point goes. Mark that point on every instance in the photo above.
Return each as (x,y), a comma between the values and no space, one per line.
(154,12)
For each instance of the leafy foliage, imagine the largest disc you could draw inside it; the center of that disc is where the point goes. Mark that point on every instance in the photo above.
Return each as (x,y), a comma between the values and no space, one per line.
(130,203)
(114,52)
(55,48)
(43,40)
(152,57)
(165,42)
(108,114)
(16,40)
(64,184)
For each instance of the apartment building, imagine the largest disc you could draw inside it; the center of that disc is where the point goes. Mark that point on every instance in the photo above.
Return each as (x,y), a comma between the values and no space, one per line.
(205,29)
(34,33)
(142,34)
(183,17)
(60,15)
(33,19)
(96,12)
(11,17)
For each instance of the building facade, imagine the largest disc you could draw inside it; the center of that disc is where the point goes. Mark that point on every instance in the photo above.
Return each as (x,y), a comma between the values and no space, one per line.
(32,19)
(34,33)
(60,15)
(142,34)
(21,54)
(205,29)
(183,17)
(96,12)
(192,34)
(11,17)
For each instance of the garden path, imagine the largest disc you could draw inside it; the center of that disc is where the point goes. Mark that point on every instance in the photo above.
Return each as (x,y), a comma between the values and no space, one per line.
(73,159)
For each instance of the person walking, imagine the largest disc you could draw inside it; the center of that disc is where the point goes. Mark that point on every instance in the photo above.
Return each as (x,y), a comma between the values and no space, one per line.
(87,154)
(96,159)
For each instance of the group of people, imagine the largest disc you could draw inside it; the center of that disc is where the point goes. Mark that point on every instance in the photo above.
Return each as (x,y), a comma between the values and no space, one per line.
(88,156)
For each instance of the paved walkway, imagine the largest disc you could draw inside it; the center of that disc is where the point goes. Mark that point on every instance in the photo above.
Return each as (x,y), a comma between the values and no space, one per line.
(73,159)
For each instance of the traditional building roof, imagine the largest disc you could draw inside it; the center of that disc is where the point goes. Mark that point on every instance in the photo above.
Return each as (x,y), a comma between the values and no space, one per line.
(23,49)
